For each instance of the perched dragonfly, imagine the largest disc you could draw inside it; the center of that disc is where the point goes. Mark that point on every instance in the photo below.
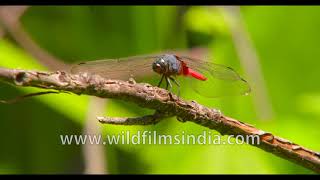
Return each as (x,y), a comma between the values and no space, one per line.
(205,77)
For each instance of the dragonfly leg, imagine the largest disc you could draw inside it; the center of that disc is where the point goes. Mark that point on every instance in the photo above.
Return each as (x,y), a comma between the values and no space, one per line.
(177,83)
(161,80)
(169,82)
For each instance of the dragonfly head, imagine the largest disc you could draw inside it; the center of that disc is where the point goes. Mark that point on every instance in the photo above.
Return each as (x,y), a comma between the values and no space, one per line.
(160,65)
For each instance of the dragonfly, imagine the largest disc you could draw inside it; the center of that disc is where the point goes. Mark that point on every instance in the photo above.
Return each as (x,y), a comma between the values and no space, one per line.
(205,77)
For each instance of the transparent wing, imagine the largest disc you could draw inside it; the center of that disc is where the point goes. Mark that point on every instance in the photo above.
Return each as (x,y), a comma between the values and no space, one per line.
(222,80)
(136,67)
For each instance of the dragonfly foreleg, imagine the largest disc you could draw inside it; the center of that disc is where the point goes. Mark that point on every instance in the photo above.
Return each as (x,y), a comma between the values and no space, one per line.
(161,80)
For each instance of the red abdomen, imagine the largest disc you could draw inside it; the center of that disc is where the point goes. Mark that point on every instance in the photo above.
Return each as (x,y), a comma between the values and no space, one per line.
(189,72)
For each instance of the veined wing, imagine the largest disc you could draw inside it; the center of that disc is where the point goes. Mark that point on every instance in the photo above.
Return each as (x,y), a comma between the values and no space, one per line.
(136,67)
(222,80)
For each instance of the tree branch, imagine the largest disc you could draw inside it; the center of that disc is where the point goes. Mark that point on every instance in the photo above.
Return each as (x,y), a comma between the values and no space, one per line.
(144,120)
(162,101)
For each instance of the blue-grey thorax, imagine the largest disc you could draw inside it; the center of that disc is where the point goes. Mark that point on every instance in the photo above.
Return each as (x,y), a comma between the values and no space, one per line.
(167,64)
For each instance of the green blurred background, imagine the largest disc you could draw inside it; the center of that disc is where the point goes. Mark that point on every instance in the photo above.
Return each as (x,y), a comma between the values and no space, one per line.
(284,39)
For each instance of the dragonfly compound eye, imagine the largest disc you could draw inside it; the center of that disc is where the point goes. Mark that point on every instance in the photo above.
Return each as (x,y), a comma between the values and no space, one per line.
(159,66)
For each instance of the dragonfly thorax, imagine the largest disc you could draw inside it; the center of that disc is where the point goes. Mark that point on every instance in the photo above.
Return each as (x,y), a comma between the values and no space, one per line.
(167,64)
